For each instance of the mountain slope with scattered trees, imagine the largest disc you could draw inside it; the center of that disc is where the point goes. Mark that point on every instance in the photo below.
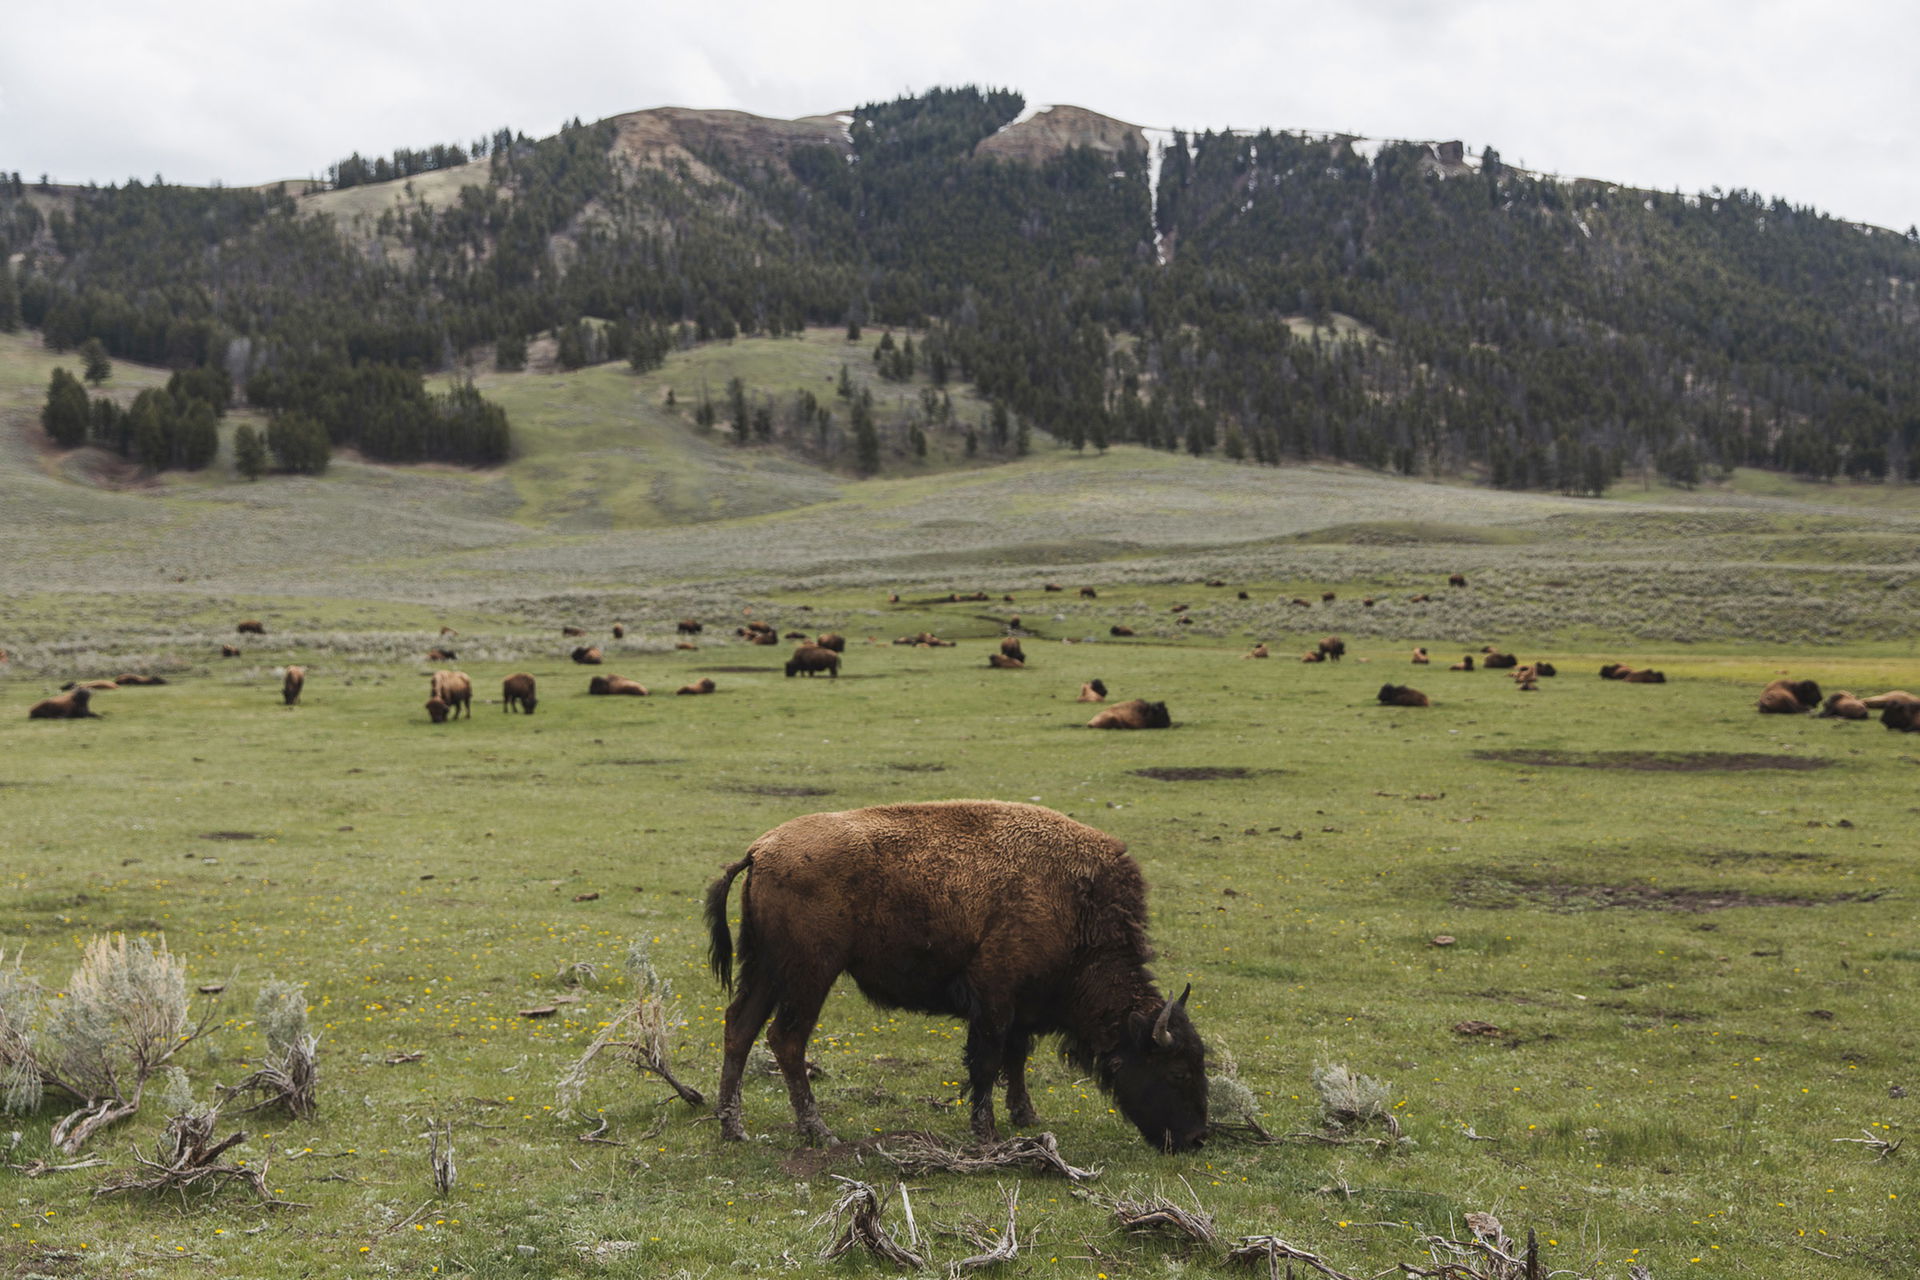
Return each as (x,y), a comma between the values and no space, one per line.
(1270,297)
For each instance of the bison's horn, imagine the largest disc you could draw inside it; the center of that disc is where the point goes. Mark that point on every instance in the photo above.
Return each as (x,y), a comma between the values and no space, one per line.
(1162,1035)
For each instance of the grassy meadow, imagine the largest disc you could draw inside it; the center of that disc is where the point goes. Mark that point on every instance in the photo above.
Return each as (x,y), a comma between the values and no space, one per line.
(1683,958)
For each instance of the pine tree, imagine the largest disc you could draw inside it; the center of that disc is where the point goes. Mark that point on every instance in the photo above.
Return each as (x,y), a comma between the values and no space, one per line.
(300,444)
(249,452)
(866,441)
(510,353)
(66,414)
(96,367)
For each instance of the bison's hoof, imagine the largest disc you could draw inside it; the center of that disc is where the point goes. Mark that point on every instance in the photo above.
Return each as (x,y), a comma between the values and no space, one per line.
(1023,1117)
(818,1135)
(731,1130)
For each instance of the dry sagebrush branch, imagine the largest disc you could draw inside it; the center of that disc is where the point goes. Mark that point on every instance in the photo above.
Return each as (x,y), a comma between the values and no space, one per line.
(861,1206)
(923,1153)
(1159,1215)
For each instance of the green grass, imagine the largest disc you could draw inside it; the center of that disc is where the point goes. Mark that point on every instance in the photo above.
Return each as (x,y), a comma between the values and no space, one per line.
(1659,1083)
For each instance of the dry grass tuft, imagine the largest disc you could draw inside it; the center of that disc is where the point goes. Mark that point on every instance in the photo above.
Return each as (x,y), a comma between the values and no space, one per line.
(994,1248)
(1158,1215)
(641,1035)
(290,1077)
(1253,1251)
(923,1153)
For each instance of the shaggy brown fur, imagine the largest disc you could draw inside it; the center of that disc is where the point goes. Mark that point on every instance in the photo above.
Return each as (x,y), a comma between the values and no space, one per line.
(229,650)
(1119,631)
(1136,714)
(832,640)
(1088,593)
(1313,655)
(1422,598)
(618,686)
(587,655)
(1366,602)
(1016,918)
(1328,597)
(1010,647)
(1497,661)
(1904,716)
(1456,580)
(619,632)
(1053,586)
(1615,671)
(252,627)
(1465,664)
(1420,658)
(1400,695)
(685,644)
(454,689)
(291,685)
(1893,697)
(1333,647)
(1844,706)
(795,635)
(67,706)
(1258,651)
(517,692)
(1546,670)
(1180,608)
(763,637)
(688,627)
(573,631)
(129,678)
(1646,677)
(98,686)
(811,659)
(1805,695)
(436,710)
(703,685)
(1093,691)
(1002,662)
(442,655)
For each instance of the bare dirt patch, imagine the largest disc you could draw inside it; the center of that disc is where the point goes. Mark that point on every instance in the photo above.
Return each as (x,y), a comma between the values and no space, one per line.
(1199,773)
(1654,761)
(1490,891)
(641,762)
(915,766)
(778,789)
(811,1162)
(229,835)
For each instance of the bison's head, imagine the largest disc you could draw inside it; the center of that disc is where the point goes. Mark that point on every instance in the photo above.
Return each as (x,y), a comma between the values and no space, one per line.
(1806,693)
(1160,1077)
(528,703)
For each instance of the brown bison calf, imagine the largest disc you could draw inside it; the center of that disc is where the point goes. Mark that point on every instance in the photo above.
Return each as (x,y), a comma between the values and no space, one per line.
(252,627)
(831,640)
(294,681)
(1137,714)
(517,693)
(1258,651)
(67,706)
(587,655)
(1400,695)
(811,660)
(1785,697)
(703,685)
(1002,662)
(1420,658)
(454,689)
(1093,691)
(1844,706)
(1314,655)
(1465,663)
(1334,647)
(618,686)
(437,710)
(1010,648)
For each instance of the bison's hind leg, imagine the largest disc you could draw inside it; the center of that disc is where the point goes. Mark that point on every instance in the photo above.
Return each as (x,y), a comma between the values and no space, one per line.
(746,1014)
(793,1024)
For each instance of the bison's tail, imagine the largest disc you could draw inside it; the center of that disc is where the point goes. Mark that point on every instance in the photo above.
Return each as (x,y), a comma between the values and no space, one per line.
(720,938)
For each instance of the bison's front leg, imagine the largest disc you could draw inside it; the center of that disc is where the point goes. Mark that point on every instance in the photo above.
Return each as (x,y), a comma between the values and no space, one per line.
(1014,1064)
(986,1051)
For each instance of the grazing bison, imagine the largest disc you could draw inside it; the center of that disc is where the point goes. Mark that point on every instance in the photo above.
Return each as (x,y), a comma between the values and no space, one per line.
(1117,630)
(1004,663)
(573,631)
(619,632)
(1805,696)
(291,685)
(1465,663)
(1010,647)
(703,685)
(1016,918)
(832,640)
(1137,714)
(688,627)
(67,706)
(1366,602)
(1334,647)
(229,650)
(454,689)
(442,655)
(517,693)
(1053,586)
(587,655)
(616,686)
(1258,651)
(763,637)
(1422,598)
(1420,658)
(811,659)
(1456,580)
(1646,677)
(1088,593)
(252,627)
(1844,706)
(1328,597)
(130,678)
(1400,695)
(1093,691)
(1244,596)
(1498,661)
(437,710)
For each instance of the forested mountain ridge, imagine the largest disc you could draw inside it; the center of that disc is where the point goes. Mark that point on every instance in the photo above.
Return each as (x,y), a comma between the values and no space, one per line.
(1101,281)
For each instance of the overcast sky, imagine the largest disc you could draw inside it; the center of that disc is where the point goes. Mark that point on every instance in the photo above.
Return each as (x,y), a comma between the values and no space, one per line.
(1812,101)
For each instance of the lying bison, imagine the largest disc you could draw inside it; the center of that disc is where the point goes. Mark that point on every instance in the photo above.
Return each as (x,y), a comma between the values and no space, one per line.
(1002,662)
(572,632)
(292,683)
(1789,697)
(1498,661)
(1903,716)
(252,627)
(1647,676)
(811,660)
(1015,918)
(517,693)
(1117,630)
(1420,658)
(616,686)
(832,640)
(442,655)
(1010,647)
(1456,580)
(1258,651)
(1844,706)
(1137,714)
(126,678)
(229,650)
(587,655)
(1400,695)
(1093,691)
(688,627)
(71,705)
(1465,663)
(703,685)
